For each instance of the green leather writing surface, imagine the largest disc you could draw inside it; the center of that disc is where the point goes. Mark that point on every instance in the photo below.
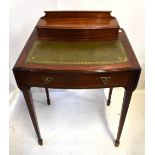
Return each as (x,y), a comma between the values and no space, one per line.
(77,52)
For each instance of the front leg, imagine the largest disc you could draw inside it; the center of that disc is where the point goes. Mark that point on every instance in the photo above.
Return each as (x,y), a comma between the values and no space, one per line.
(31,109)
(125,105)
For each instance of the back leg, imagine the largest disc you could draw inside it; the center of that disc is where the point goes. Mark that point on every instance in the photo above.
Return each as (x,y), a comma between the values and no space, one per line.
(47,94)
(109,97)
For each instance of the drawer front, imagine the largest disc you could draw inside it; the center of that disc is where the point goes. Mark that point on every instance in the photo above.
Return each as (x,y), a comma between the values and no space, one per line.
(77,33)
(71,81)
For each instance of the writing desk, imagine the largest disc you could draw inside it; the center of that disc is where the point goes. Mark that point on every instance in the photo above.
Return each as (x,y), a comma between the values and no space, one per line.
(77,50)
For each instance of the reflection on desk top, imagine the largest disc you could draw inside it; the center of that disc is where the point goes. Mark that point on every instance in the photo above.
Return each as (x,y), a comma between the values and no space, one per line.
(77,52)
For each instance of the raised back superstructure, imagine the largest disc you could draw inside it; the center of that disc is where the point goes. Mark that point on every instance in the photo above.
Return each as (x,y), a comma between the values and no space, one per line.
(77,25)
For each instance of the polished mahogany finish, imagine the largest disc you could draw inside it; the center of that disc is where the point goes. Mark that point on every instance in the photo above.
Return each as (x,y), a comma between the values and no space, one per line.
(77,26)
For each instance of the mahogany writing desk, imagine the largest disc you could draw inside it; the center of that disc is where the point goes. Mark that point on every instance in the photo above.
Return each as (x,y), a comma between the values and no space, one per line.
(77,50)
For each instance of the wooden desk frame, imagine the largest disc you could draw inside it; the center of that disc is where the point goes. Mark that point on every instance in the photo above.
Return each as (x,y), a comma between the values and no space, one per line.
(124,75)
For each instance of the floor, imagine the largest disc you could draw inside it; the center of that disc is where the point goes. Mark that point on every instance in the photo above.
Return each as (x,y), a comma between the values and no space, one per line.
(78,122)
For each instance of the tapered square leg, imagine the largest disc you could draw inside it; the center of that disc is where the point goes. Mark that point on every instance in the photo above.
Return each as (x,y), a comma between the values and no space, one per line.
(125,106)
(31,109)
(109,97)
(47,95)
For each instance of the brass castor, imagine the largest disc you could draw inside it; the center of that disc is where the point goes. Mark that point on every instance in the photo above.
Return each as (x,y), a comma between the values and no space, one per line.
(108,102)
(116,143)
(40,141)
(48,102)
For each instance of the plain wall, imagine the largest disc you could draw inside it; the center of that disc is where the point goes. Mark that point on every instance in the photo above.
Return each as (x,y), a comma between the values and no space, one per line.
(25,14)
(130,15)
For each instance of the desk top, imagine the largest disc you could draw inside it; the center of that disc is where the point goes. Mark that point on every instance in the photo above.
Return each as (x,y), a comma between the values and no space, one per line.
(77,52)
(95,56)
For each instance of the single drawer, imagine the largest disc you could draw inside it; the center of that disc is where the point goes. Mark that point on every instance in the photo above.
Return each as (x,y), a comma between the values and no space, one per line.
(74,81)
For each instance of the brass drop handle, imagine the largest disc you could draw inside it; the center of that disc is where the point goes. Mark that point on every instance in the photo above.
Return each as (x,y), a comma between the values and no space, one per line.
(47,80)
(105,80)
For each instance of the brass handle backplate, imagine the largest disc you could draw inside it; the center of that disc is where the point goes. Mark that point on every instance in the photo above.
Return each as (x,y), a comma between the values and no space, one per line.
(47,80)
(105,80)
